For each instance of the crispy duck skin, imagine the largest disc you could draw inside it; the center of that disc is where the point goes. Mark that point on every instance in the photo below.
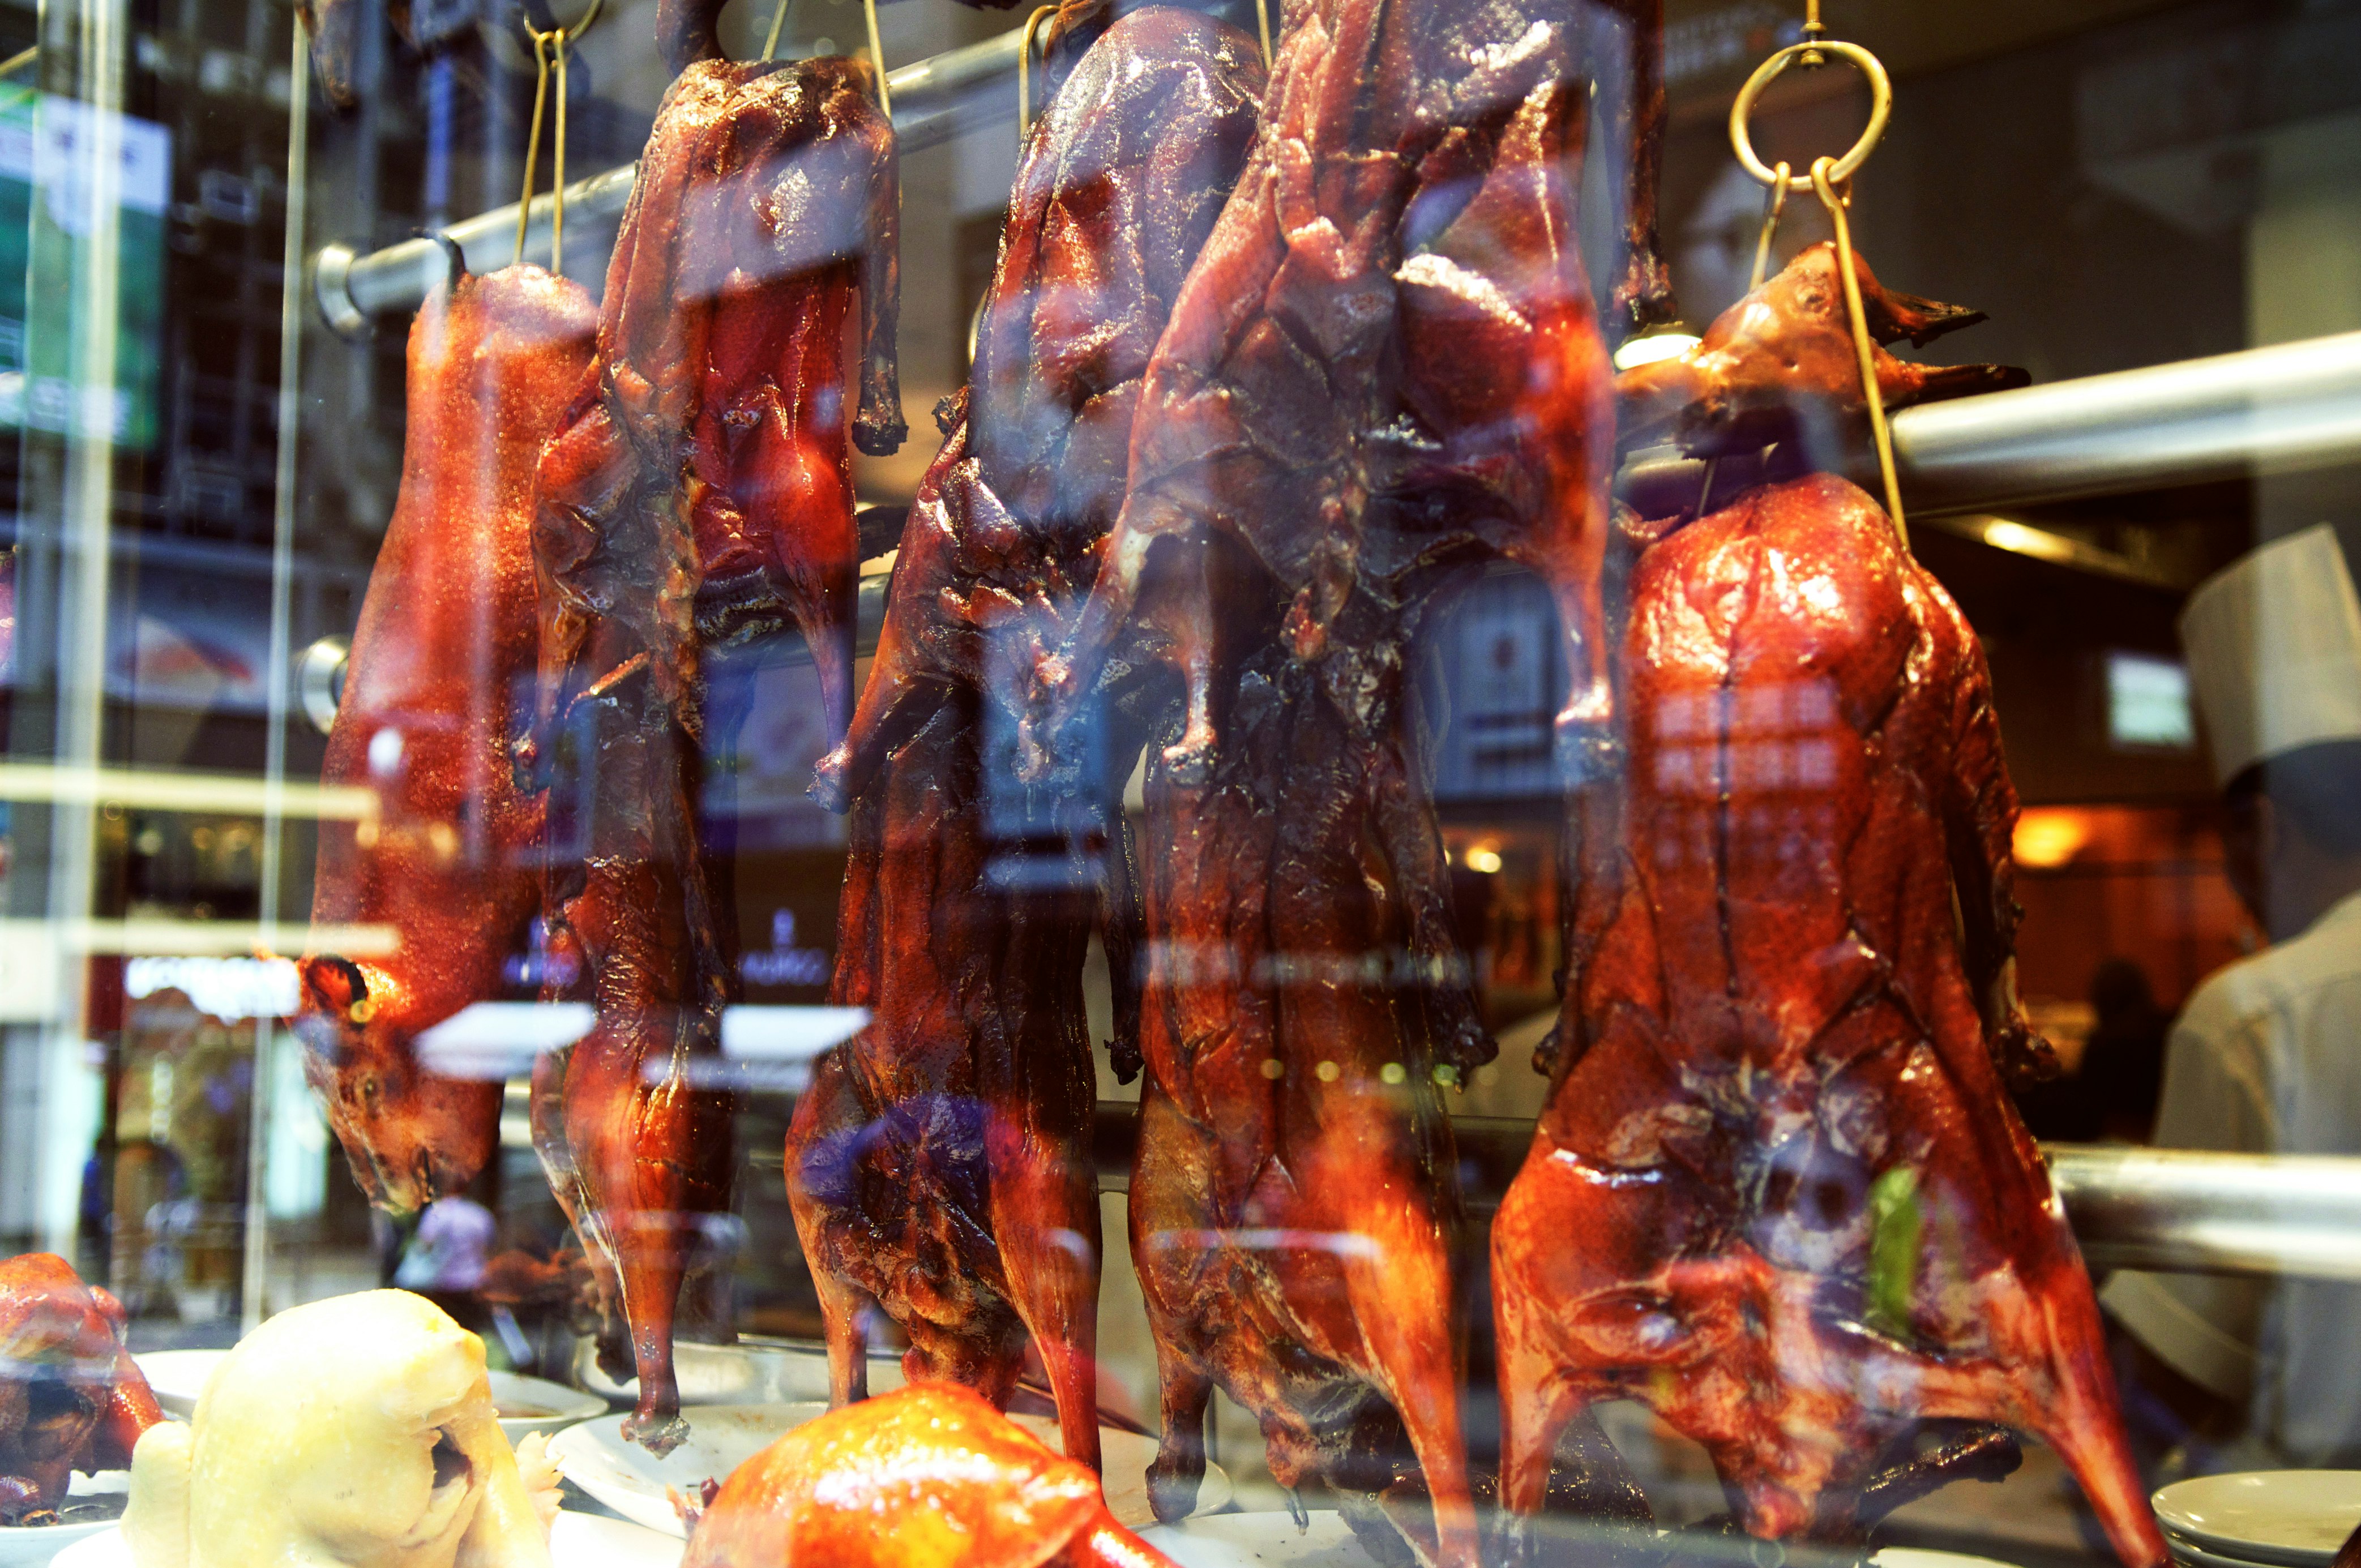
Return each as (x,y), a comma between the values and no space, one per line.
(812,220)
(1294,1200)
(1384,365)
(1780,365)
(927,1476)
(1778,1193)
(698,489)
(70,1398)
(769,195)
(941,1166)
(1123,178)
(434,698)
(1385,359)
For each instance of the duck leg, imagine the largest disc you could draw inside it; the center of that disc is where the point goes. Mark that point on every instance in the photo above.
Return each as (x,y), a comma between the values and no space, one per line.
(827,1116)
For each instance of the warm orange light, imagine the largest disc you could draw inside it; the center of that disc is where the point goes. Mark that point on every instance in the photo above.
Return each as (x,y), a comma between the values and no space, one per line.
(2049,838)
(1483,858)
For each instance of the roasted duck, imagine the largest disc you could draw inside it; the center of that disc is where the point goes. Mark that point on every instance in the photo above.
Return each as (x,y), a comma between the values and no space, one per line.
(699,489)
(1778,1193)
(1385,359)
(436,693)
(1294,1200)
(1779,365)
(1384,365)
(927,1476)
(70,1398)
(940,1166)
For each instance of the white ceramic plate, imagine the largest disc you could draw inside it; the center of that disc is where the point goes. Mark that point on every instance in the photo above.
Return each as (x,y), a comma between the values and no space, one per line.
(578,1541)
(752,1372)
(535,1404)
(631,1481)
(179,1378)
(1258,1541)
(30,1545)
(2294,1517)
(1272,1541)
(2189,1554)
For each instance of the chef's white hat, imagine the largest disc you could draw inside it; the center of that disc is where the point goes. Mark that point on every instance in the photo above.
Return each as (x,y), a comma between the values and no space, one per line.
(2273,647)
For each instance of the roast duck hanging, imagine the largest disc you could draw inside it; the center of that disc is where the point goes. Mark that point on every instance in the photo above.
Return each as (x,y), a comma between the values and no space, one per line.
(1385,365)
(437,688)
(699,489)
(940,1166)
(1778,1193)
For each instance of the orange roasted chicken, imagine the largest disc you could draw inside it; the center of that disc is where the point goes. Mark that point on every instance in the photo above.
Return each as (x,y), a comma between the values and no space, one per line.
(70,1398)
(928,1476)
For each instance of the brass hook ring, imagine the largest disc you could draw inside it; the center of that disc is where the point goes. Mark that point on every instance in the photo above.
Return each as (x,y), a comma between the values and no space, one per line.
(1864,351)
(582,23)
(562,38)
(1881,109)
(1024,68)
(877,59)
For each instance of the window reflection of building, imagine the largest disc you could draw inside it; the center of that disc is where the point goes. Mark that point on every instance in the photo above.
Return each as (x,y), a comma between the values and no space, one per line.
(182,1112)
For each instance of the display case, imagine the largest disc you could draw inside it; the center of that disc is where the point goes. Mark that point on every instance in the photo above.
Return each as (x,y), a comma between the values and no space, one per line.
(1160,782)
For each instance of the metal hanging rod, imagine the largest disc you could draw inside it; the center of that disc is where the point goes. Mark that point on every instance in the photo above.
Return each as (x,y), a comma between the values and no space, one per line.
(2281,410)
(2130,1207)
(2286,409)
(2213,1214)
(934,100)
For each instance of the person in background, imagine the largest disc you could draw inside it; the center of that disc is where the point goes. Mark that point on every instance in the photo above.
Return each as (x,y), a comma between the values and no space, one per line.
(2122,1070)
(2111,1095)
(2061,1109)
(2266,1058)
(445,1261)
(447,1256)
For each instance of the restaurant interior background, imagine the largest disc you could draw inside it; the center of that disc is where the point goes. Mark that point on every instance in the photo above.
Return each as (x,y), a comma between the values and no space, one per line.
(2118,183)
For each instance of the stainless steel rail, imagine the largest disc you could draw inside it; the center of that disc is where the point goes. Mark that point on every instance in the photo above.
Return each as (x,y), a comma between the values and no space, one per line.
(934,100)
(2130,1207)
(2279,410)
(2286,409)
(2213,1214)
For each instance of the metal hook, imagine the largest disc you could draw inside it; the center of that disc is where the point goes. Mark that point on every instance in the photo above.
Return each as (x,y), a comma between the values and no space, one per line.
(877,59)
(778,17)
(1024,69)
(1262,22)
(1881,109)
(560,40)
(557,169)
(455,257)
(1774,202)
(532,139)
(1824,181)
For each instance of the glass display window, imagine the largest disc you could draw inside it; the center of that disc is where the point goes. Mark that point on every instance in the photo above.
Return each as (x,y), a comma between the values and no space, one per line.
(1180,780)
